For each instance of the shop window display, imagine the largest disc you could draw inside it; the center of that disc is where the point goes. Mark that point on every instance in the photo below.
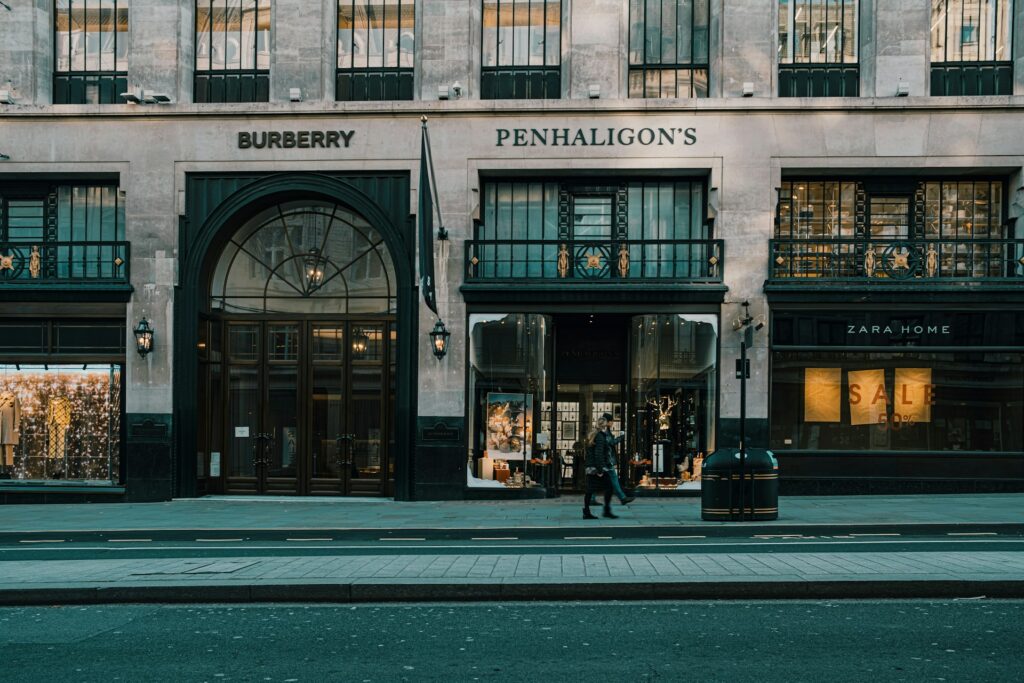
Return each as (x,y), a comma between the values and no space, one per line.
(674,379)
(509,384)
(60,422)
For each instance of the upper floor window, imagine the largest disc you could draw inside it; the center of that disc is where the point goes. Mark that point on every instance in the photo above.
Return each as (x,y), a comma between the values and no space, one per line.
(894,229)
(232,51)
(376,44)
(818,48)
(593,231)
(90,51)
(522,49)
(62,232)
(970,47)
(668,48)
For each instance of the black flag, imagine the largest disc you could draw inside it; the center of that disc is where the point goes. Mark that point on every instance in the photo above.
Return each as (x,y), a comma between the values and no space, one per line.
(425,215)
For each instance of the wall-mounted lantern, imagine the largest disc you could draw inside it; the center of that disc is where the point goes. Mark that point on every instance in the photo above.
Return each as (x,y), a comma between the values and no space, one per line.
(144,337)
(439,339)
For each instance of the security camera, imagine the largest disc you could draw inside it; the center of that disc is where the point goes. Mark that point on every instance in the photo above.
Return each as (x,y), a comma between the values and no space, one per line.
(457,89)
(760,323)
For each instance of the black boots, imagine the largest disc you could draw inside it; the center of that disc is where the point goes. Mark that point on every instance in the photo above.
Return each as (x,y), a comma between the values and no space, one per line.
(587,514)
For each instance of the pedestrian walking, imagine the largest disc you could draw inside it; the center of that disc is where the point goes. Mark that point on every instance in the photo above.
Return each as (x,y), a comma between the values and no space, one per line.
(601,468)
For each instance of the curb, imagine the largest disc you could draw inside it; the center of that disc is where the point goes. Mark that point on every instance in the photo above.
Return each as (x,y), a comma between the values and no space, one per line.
(709,530)
(511,592)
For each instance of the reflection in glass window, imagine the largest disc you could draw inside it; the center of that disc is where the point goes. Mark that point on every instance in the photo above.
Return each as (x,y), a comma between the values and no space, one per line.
(971,30)
(60,422)
(90,51)
(668,48)
(232,50)
(305,257)
(522,49)
(522,32)
(510,385)
(376,48)
(818,31)
(895,401)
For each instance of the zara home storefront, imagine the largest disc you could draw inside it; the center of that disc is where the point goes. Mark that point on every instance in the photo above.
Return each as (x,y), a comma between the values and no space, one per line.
(596,261)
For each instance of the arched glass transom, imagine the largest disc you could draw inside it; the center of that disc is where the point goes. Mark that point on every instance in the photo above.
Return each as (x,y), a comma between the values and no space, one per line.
(305,257)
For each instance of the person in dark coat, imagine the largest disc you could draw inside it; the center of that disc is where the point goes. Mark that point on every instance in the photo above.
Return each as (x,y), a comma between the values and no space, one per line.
(601,468)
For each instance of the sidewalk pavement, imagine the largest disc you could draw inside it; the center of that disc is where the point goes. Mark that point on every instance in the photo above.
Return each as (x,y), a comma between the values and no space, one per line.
(271,517)
(590,560)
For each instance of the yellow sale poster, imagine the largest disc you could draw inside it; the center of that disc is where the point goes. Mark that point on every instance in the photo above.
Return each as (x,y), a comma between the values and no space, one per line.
(822,394)
(868,401)
(913,399)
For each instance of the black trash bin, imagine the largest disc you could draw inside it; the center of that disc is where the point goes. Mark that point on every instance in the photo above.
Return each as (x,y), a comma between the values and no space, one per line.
(724,496)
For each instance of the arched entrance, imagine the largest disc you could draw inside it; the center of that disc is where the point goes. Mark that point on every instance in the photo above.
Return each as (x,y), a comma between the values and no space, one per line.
(297,355)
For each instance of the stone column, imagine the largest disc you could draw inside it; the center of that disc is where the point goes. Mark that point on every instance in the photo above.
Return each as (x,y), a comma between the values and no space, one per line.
(748,47)
(448,47)
(1018,48)
(599,40)
(900,42)
(26,51)
(296,58)
(155,51)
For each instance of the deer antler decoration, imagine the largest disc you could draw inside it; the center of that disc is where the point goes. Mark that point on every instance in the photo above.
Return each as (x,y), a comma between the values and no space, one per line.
(664,407)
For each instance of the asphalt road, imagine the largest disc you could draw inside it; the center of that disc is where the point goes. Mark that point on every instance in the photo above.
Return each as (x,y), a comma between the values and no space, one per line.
(975,640)
(307,546)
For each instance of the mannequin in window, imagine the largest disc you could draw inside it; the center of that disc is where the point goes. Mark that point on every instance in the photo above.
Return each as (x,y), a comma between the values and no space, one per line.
(58,420)
(10,421)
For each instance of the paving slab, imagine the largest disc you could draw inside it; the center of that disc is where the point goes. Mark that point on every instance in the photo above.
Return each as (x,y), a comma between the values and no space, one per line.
(374,518)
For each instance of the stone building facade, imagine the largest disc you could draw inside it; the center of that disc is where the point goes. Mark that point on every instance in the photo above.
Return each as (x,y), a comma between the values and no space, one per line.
(616,182)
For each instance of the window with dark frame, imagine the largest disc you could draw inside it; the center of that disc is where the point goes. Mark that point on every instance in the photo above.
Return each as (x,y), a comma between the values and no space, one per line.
(232,51)
(971,47)
(521,49)
(67,232)
(668,48)
(90,51)
(659,227)
(376,50)
(952,229)
(818,48)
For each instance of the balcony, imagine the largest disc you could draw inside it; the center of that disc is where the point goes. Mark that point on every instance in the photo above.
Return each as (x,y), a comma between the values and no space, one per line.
(586,262)
(64,263)
(880,260)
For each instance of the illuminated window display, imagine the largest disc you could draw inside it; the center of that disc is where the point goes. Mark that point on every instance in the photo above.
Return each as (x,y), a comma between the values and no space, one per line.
(538,383)
(935,382)
(60,422)
(509,384)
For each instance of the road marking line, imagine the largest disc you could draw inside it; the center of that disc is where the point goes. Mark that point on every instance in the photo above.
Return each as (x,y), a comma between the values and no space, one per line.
(972,533)
(44,540)
(129,540)
(401,539)
(769,536)
(679,537)
(494,538)
(300,540)
(219,540)
(587,538)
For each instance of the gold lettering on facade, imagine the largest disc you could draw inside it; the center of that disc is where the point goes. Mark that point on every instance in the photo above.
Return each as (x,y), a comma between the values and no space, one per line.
(563,261)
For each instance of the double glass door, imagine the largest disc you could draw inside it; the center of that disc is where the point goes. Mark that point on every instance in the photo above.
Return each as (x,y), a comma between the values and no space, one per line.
(306,407)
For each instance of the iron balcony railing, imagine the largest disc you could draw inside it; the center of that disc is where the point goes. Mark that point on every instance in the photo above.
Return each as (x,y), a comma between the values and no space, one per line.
(897,259)
(589,260)
(64,263)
